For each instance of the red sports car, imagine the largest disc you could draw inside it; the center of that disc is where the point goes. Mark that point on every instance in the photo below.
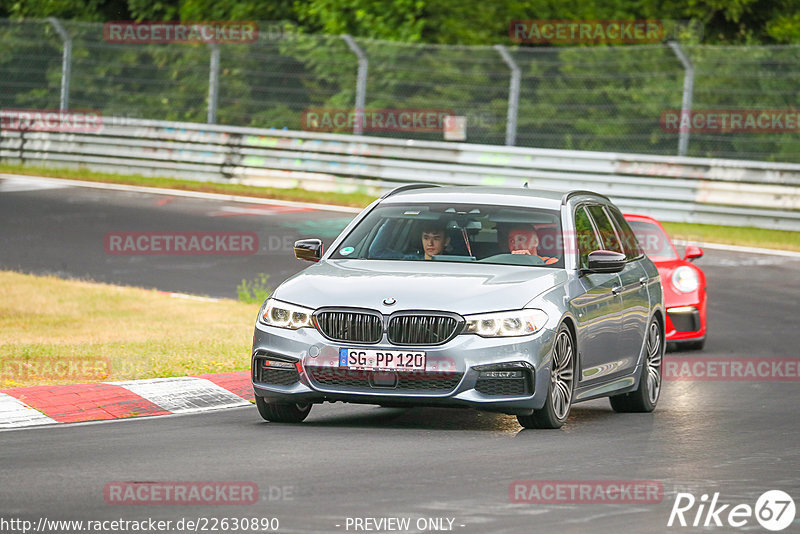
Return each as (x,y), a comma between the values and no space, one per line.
(684,283)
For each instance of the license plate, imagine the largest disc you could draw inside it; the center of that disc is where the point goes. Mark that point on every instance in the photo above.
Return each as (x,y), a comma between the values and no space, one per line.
(382,360)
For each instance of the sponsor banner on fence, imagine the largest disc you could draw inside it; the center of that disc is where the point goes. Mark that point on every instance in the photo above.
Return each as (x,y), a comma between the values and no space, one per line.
(586,31)
(51,120)
(163,32)
(730,120)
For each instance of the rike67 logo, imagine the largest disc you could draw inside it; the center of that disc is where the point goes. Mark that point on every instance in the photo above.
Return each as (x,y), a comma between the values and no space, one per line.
(774,510)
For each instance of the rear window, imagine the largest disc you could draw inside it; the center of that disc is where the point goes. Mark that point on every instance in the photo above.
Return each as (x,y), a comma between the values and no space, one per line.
(464,233)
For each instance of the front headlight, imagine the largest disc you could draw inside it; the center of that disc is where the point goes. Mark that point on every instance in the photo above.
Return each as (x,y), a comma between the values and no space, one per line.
(506,324)
(285,315)
(685,279)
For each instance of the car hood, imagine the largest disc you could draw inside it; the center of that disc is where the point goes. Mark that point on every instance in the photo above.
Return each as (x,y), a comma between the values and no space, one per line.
(463,288)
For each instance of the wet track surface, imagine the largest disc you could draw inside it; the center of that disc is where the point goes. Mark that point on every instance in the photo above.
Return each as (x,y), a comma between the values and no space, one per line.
(738,438)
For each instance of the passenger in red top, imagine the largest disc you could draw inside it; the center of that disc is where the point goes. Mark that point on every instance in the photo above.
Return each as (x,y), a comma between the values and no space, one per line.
(526,241)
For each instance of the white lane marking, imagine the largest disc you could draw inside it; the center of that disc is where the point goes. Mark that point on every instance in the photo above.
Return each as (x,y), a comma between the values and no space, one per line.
(15,413)
(183,394)
(187,296)
(235,211)
(737,248)
(62,182)
(11,185)
(120,420)
(748,261)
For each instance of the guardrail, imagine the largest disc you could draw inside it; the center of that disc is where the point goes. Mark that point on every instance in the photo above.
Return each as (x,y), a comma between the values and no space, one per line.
(682,189)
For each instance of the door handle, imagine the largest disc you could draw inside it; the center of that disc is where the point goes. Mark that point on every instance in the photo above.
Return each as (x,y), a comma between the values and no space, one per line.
(616,290)
(643,280)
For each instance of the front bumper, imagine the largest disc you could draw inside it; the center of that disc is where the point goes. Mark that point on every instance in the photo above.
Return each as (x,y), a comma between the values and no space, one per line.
(452,377)
(685,323)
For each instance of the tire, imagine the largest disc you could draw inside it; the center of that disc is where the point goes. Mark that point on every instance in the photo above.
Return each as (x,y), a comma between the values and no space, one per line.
(645,398)
(561,387)
(282,413)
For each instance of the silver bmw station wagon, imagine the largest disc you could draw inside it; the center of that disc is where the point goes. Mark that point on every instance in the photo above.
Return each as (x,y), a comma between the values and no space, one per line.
(517,301)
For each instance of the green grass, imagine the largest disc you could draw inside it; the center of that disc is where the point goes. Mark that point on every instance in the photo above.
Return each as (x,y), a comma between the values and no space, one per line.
(254,291)
(55,331)
(734,235)
(703,233)
(358,200)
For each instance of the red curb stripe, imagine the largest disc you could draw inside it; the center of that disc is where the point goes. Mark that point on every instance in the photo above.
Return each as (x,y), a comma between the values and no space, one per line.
(85,402)
(237,383)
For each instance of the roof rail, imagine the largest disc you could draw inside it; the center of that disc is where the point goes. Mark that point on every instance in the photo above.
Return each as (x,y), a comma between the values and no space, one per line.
(577,192)
(407,187)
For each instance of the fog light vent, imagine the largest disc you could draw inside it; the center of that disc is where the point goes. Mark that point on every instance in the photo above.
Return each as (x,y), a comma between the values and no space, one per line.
(275,372)
(505,380)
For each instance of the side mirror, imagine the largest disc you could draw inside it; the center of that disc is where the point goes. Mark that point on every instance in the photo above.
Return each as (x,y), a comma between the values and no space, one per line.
(606,261)
(308,249)
(692,252)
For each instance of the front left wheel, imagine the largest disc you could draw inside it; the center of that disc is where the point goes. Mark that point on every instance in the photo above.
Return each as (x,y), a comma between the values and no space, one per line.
(281,412)
(562,384)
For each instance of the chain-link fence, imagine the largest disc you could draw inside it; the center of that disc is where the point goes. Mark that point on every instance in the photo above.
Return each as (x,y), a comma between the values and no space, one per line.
(607,98)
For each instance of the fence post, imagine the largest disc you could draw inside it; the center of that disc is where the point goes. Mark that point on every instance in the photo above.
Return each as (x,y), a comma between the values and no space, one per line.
(686,101)
(213,84)
(361,83)
(66,62)
(513,95)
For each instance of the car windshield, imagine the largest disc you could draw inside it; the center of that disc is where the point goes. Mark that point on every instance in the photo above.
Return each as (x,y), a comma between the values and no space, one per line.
(457,233)
(653,240)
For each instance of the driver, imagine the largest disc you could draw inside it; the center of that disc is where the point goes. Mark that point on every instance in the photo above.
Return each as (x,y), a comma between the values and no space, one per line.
(434,239)
(526,241)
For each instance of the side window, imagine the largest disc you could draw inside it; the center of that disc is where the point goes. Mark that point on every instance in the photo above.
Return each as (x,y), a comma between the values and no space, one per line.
(629,240)
(607,233)
(586,237)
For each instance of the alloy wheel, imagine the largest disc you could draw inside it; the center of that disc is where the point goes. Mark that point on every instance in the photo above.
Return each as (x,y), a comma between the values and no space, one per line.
(653,362)
(562,375)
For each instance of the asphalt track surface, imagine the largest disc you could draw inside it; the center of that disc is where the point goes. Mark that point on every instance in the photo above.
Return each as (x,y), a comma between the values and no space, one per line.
(738,438)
